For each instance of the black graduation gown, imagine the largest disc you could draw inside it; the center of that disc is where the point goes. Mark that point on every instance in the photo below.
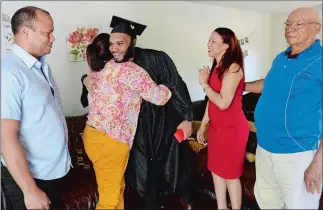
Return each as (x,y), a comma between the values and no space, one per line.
(156,159)
(84,100)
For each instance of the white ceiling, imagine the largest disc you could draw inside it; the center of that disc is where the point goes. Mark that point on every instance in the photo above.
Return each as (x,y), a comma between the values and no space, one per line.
(268,7)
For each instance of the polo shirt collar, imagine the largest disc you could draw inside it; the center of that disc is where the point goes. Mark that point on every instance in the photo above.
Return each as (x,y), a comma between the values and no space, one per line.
(316,44)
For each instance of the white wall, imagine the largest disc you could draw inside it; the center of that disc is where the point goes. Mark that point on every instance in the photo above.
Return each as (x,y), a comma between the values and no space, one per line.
(277,34)
(181,29)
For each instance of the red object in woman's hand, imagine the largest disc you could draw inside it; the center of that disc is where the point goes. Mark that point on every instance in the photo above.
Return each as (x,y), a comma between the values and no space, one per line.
(179,135)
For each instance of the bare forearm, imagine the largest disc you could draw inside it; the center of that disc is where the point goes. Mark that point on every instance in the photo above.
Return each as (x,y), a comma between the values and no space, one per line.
(16,163)
(214,97)
(206,118)
(254,87)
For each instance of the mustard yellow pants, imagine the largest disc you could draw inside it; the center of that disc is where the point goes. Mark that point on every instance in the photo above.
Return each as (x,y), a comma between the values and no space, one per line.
(109,157)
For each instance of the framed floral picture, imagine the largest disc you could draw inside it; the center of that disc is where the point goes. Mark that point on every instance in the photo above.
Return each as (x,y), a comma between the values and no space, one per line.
(78,40)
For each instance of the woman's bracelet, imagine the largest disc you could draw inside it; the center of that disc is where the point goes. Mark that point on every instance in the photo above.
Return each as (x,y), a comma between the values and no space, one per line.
(205,88)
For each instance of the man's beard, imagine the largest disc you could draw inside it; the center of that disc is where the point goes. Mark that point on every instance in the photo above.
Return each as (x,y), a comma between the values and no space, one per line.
(129,54)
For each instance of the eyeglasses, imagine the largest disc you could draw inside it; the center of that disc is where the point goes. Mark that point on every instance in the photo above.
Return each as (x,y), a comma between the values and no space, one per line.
(297,25)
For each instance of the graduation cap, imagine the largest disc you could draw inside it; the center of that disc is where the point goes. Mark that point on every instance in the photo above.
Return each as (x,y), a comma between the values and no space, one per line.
(121,25)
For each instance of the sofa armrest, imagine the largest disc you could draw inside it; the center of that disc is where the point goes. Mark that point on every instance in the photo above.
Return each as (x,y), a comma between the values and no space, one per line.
(76,125)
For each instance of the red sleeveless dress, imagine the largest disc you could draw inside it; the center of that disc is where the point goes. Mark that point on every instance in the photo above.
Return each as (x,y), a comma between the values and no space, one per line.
(227,134)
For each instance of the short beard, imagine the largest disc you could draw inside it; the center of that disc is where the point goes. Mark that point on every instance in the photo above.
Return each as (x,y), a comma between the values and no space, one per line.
(129,54)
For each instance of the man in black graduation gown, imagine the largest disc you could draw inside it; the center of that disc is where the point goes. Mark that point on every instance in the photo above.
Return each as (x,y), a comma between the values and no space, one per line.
(158,165)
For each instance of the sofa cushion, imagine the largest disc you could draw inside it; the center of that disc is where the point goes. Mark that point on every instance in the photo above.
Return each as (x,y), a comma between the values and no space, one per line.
(196,125)
(195,146)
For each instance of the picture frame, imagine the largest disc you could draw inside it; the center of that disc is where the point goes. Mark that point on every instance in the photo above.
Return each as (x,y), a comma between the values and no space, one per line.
(242,41)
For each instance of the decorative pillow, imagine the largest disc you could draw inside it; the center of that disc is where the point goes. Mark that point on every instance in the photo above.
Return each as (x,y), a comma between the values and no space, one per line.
(192,141)
(196,125)
(252,126)
(252,143)
(250,157)
(195,146)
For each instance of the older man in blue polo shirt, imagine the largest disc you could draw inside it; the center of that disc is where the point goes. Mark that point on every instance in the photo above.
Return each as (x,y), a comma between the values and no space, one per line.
(288,118)
(34,152)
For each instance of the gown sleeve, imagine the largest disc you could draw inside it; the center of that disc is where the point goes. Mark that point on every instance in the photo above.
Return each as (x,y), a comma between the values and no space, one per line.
(170,78)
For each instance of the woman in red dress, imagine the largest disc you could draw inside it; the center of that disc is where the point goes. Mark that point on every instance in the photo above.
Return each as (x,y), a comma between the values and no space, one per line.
(229,130)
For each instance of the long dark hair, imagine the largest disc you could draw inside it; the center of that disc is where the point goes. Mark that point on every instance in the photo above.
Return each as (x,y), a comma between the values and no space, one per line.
(98,53)
(232,55)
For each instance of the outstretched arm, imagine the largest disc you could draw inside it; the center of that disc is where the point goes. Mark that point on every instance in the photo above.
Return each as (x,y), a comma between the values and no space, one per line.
(142,83)
(255,86)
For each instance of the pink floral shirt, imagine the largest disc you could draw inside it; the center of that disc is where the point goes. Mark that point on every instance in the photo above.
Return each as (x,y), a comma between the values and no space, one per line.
(115,98)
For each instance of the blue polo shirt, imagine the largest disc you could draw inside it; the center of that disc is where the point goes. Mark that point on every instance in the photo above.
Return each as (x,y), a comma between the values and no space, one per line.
(288,115)
(30,95)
